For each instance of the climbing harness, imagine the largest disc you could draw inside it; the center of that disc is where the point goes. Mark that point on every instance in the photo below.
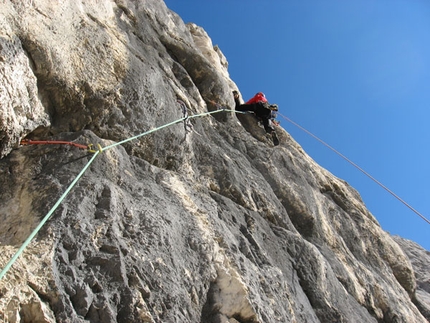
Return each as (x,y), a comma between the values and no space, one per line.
(358,167)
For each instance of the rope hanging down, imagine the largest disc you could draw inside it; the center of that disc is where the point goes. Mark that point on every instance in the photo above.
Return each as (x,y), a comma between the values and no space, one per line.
(96,152)
(359,168)
(47,216)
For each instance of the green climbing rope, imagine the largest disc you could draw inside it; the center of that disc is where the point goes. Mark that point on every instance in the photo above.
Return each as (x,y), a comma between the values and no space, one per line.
(96,152)
(47,216)
(164,126)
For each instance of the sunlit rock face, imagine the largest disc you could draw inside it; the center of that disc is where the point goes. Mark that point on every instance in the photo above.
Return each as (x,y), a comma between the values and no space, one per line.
(210,224)
(420,260)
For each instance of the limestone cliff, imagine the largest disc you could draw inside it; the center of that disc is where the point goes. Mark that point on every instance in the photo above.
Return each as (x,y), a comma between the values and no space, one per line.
(211,225)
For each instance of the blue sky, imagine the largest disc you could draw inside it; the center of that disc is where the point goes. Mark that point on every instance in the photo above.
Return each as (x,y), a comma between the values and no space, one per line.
(354,73)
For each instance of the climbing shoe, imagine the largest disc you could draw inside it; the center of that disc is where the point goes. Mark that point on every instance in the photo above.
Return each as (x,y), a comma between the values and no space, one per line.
(275,138)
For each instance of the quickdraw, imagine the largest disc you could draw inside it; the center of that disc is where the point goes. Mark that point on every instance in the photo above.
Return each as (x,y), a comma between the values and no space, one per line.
(188,126)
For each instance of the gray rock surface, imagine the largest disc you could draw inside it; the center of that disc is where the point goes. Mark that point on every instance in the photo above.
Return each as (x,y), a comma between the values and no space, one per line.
(420,260)
(213,225)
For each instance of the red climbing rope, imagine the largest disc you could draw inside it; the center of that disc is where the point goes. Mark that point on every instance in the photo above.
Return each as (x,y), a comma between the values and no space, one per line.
(52,142)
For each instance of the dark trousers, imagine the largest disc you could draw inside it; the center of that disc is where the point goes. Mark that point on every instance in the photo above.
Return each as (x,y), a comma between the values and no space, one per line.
(260,111)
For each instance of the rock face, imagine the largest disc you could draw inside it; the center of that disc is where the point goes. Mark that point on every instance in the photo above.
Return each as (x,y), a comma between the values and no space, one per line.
(420,259)
(210,225)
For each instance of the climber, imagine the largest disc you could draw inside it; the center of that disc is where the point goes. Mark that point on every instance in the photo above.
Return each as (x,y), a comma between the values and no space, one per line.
(262,110)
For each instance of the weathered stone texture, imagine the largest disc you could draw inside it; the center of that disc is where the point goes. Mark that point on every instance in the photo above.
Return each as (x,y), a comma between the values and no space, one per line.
(420,260)
(214,225)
